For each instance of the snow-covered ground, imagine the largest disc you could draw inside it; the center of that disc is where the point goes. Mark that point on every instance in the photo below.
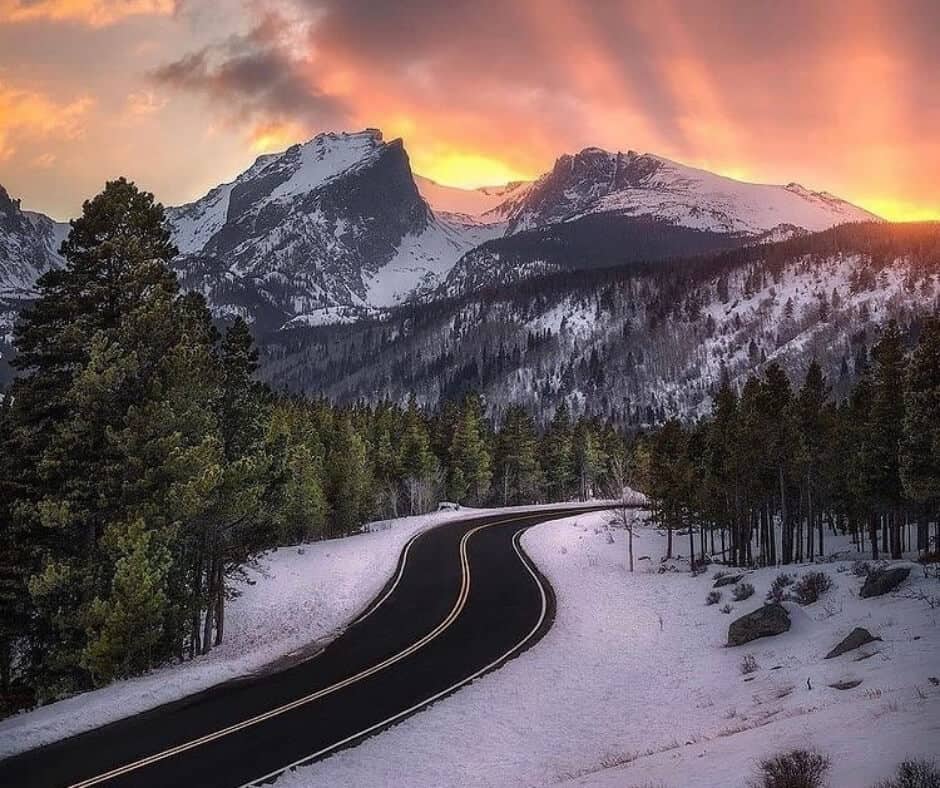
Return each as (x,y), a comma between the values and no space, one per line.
(634,685)
(293,602)
(297,598)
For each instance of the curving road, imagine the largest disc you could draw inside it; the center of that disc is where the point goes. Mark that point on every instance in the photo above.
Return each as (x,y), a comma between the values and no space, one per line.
(463,600)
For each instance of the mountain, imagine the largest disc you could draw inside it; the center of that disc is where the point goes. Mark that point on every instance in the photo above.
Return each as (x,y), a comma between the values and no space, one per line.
(322,232)
(596,181)
(339,228)
(331,230)
(29,246)
(636,343)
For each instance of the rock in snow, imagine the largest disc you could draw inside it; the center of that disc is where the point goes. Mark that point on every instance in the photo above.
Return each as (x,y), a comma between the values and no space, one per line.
(857,638)
(881,581)
(764,622)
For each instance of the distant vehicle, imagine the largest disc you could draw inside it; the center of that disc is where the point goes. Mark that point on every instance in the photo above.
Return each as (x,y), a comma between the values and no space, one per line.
(447,506)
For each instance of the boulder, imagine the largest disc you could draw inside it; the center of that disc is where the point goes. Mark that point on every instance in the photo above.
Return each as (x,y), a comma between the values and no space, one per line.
(772,619)
(881,581)
(857,638)
(727,580)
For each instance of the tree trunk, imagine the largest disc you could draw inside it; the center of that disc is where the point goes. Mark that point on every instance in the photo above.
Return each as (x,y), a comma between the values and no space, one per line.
(822,551)
(785,537)
(210,596)
(220,604)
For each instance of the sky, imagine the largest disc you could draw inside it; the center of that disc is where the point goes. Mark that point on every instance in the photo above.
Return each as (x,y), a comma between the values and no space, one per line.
(181,95)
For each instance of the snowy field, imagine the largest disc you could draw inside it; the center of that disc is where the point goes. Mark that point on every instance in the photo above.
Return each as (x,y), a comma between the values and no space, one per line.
(634,684)
(295,601)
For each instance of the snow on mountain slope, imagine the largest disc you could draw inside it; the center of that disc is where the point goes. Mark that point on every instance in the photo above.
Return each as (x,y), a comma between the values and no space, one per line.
(633,184)
(29,246)
(479,205)
(424,260)
(339,227)
(332,226)
(641,343)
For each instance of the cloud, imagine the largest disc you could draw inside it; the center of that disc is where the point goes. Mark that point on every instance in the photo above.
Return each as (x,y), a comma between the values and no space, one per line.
(837,96)
(142,103)
(261,79)
(30,115)
(95,13)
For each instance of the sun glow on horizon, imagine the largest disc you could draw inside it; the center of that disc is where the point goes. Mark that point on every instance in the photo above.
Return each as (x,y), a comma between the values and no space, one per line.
(465,170)
(900,210)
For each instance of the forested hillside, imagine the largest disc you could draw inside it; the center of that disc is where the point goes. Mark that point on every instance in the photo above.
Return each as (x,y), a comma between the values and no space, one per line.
(638,343)
(780,464)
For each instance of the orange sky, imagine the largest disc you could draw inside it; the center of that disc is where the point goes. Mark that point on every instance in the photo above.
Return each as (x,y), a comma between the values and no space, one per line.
(183,94)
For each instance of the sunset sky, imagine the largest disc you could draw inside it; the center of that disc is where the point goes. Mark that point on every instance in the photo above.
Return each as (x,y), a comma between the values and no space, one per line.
(183,94)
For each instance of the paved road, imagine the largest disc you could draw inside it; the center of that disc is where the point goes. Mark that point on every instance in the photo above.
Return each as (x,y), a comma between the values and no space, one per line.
(464,599)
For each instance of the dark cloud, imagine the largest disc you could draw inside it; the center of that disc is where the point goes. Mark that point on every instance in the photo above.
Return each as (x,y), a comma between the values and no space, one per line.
(254,77)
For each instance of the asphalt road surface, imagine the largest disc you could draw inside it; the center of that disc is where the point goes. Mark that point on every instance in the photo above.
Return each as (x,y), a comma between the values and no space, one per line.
(464,599)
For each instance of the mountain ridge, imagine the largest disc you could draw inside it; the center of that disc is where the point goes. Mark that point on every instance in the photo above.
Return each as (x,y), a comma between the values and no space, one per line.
(335,228)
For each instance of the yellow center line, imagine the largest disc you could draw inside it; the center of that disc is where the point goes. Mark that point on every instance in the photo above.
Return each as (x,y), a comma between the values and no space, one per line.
(436,632)
(421,704)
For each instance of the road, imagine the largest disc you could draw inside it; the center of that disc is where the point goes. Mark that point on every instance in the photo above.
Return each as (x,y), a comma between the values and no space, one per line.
(463,600)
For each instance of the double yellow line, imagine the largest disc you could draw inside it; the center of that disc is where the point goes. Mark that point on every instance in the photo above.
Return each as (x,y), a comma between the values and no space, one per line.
(421,704)
(436,632)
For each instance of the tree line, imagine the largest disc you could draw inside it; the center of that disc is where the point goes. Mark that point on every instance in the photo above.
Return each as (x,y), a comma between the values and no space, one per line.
(142,465)
(774,468)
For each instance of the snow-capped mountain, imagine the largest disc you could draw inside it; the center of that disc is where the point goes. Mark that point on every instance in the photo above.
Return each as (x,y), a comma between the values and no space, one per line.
(29,246)
(596,181)
(322,232)
(340,227)
(337,227)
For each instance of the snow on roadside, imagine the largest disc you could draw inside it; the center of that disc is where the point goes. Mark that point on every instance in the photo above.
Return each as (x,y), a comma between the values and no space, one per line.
(296,600)
(296,597)
(634,684)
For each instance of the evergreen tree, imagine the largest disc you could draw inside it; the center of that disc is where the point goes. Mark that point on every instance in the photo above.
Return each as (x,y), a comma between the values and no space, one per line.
(557,456)
(470,466)
(350,480)
(517,471)
(814,437)
(417,463)
(881,450)
(920,443)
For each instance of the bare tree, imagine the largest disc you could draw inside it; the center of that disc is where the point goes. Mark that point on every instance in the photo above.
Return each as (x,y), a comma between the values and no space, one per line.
(627,499)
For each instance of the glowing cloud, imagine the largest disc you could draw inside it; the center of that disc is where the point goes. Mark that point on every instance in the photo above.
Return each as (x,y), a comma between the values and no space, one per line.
(96,13)
(25,113)
(841,97)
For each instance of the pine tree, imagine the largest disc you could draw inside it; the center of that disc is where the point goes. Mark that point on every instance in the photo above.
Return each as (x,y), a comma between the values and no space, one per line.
(417,463)
(350,490)
(812,430)
(470,465)
(885,431)
(67,482)
(517,471)
(920,443)
(557,456)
